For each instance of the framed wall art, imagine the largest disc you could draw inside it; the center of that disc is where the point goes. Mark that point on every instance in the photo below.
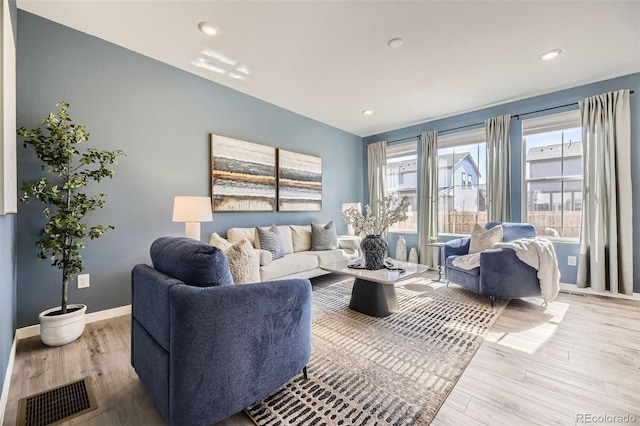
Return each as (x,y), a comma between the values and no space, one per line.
(299,182)
(243,175)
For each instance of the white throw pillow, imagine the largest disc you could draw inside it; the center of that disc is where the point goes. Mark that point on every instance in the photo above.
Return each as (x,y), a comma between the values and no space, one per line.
(244,262)
(484,239)
(217,241)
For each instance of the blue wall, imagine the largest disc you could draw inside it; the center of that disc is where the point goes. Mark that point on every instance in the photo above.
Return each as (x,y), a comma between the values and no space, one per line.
(161,117)
(7,290)
(7,267)
(563,97)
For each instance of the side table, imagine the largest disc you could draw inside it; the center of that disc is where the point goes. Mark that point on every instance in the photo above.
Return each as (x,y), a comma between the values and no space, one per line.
(440,247)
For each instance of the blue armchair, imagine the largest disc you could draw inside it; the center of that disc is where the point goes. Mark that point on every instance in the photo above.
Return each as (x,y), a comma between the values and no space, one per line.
(205,348)
(501,274)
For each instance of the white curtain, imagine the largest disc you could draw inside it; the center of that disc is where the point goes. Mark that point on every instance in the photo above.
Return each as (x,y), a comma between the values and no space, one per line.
(498,168)
(428,212)
(606,234)
(377,159)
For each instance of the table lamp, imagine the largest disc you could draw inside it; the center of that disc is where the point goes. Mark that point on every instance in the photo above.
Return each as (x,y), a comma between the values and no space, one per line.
(192,211)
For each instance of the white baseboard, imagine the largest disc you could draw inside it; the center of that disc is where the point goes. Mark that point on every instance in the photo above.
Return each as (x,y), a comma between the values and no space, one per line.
(572,288)
(34,330)
(4,396)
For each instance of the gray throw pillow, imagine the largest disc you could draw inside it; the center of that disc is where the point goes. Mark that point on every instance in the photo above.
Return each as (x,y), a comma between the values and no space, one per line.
(324,237)
(271,240)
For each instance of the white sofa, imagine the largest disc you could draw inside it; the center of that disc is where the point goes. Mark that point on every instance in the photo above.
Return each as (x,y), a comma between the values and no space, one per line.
(299,260)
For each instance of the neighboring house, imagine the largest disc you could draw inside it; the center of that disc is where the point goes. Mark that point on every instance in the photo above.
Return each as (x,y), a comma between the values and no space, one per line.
(458,184)
(402,178)
(555,160)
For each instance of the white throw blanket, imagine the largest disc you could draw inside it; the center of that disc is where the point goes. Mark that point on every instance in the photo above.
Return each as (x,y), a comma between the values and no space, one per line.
(535,252)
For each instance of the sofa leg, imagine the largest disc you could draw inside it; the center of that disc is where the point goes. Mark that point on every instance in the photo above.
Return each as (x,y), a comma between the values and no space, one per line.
(304,373)
(492,299)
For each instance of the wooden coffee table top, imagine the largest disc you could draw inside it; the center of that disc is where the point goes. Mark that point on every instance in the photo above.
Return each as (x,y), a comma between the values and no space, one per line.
(382,276)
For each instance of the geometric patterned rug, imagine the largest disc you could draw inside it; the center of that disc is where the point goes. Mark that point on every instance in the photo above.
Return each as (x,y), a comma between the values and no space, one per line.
(396,370)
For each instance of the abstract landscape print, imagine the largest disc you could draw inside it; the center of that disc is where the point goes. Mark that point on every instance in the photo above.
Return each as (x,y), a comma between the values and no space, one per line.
(299,182)
(243,175)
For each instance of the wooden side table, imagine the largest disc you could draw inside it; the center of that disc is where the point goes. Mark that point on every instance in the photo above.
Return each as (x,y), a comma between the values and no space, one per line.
(440,247)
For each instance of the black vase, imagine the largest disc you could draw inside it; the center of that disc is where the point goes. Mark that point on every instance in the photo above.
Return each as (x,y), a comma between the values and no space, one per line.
(375,249)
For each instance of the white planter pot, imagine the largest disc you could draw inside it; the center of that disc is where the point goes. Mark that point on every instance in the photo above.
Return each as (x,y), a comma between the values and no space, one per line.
(58,330)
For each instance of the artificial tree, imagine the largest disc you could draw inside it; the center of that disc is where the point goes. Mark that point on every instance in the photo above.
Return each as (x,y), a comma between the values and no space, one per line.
(67,171)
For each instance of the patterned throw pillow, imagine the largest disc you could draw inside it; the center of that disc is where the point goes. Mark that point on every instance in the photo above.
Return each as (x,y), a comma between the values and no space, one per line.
(324,237)
(271,240)
(484,239)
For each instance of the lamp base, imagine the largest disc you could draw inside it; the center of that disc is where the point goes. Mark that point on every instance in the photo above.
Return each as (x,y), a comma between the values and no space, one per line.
(192,230)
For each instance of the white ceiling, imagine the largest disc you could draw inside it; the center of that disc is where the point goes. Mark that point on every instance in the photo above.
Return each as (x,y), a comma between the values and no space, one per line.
(329,60)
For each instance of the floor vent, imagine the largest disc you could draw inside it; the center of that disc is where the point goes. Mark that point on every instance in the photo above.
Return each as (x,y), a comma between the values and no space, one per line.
(57,405)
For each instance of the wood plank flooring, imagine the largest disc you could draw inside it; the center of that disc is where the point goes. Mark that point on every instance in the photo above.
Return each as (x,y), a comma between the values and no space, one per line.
(538,366)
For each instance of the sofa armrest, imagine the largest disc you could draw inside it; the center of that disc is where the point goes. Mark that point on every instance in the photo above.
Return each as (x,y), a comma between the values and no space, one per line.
(265,257)
(232,346)
(458,247)
(503,275)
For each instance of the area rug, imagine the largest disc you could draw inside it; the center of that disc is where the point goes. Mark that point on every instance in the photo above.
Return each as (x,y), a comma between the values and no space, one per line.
(396,370)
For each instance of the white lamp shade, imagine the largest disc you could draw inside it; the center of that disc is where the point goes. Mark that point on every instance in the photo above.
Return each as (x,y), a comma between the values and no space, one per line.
(192,209)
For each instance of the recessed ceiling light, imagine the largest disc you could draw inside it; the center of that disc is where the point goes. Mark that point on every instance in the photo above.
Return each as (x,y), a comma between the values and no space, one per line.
(394,43)
(367,112)
(209,29)
(549,55)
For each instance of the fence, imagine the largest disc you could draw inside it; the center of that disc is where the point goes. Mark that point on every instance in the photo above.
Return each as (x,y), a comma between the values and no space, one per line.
(548,224)
(459,222)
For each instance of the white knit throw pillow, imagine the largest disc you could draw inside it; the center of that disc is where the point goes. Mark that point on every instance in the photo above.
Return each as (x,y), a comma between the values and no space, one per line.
(484,239)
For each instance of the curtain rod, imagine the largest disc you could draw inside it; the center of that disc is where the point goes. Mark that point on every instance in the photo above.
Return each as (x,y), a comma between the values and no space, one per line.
(516,116)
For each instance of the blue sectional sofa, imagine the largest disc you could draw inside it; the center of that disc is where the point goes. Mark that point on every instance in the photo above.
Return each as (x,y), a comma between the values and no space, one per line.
(205,348)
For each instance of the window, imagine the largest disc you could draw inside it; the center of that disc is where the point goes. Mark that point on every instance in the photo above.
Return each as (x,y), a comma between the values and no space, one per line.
(402,180)
(462,168)
(552,195)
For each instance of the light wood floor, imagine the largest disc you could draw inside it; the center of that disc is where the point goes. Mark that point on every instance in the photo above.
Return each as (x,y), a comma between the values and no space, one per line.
(538,366)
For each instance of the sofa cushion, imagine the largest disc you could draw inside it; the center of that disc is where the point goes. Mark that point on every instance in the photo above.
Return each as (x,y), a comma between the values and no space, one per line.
(244,262)
(324,237)
(513,231)
(287,242)
(290,264)
(484,239)
(191,261)
(235,235)
(270,239)
(301,237)
(330,256)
